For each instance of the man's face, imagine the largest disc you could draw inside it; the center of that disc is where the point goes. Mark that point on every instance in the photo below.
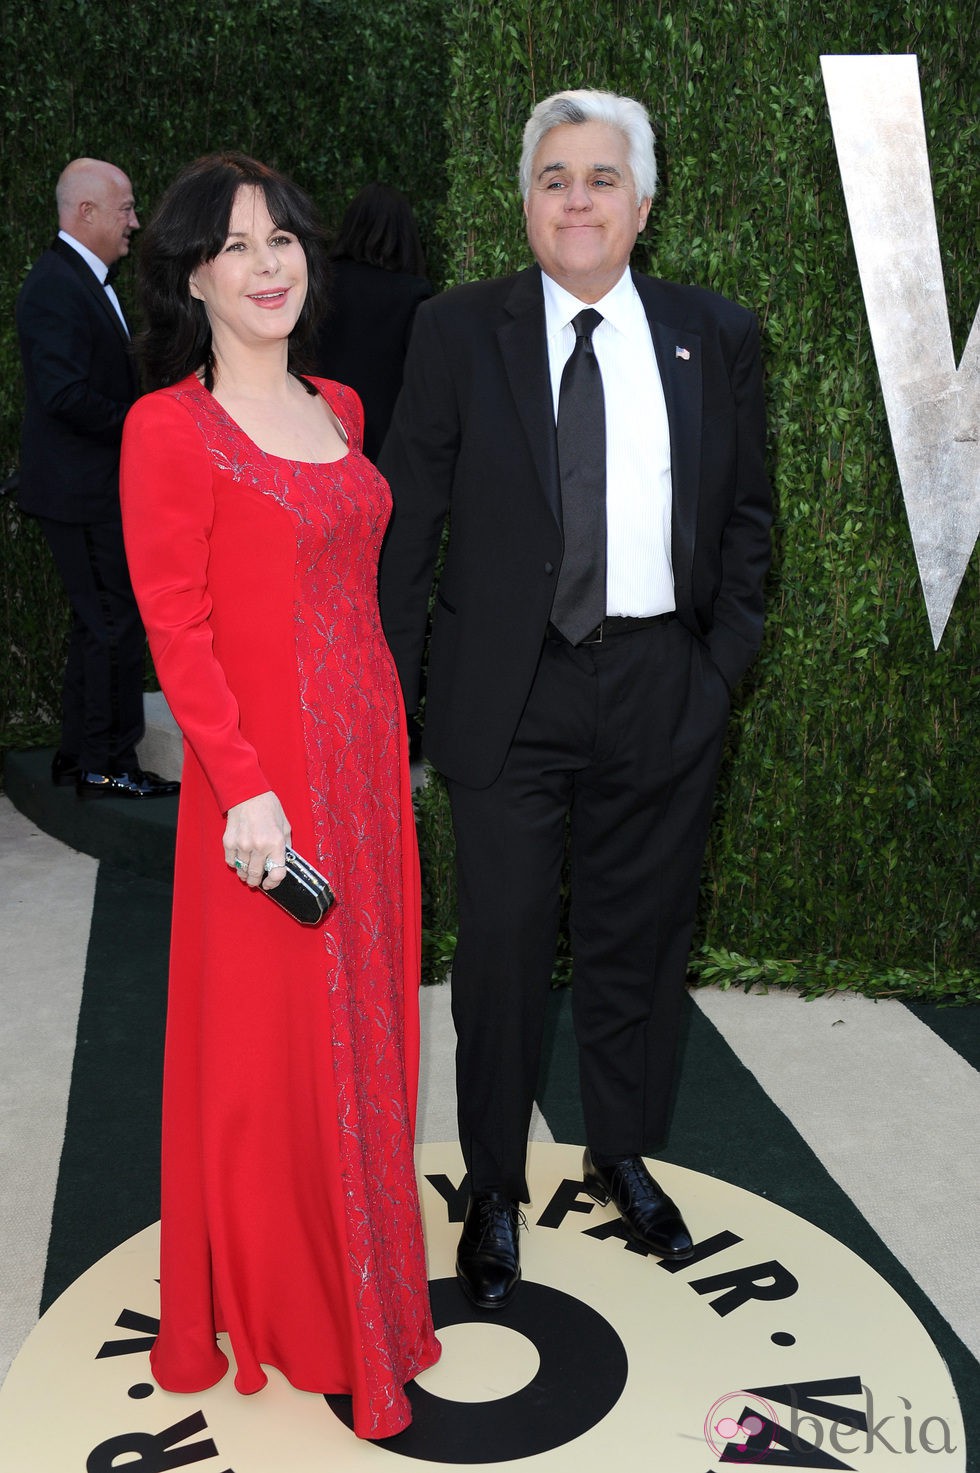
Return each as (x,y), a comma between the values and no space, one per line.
(111,217)
(582,212)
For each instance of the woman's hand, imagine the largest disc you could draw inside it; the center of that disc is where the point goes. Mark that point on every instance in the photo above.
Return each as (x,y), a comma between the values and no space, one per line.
(256,838)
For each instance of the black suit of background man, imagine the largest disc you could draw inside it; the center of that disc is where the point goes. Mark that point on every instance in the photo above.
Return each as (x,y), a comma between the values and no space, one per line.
(80,381)
(621,737)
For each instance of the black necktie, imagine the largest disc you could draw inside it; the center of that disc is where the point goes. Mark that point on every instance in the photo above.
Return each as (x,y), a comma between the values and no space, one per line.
(580,597)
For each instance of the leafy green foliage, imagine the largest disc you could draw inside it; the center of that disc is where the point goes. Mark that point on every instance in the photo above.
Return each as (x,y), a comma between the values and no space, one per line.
(814,976)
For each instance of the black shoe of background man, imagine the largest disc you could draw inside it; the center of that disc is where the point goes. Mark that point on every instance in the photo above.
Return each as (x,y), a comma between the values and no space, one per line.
(137,783)
(651,1218)
(488,1260)
(64,770)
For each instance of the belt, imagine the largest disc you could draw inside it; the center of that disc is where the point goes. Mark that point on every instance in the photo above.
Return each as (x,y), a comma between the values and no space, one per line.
(614,625)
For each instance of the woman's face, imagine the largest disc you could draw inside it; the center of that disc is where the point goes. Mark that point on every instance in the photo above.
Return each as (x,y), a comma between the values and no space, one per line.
(254,289)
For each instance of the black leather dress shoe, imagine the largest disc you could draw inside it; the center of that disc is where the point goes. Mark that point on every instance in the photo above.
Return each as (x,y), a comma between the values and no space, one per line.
(488,1262)
(651,1218)
(64,770)
(137,783)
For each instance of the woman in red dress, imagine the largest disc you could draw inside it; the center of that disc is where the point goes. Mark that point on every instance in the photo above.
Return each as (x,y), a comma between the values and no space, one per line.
(253,524)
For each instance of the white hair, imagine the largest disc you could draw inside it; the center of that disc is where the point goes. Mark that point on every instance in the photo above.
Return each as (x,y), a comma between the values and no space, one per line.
(584,105)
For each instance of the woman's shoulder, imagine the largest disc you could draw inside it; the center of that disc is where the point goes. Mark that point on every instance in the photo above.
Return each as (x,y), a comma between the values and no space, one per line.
(343,400)
(161,403)
(175,412)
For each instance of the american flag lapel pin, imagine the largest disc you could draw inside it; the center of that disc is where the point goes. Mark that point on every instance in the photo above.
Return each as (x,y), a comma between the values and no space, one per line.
(684,353)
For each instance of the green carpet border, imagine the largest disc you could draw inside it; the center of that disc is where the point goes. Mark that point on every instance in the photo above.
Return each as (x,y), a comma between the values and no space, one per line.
(109,1177)
(957,1027)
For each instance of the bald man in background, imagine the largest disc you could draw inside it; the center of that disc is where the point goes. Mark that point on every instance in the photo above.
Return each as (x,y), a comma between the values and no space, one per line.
(80,380)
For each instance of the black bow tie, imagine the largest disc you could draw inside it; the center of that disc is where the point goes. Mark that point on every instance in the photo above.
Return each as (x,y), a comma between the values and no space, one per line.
(112,273)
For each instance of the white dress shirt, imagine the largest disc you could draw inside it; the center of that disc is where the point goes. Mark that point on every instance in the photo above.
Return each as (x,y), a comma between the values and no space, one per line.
(639,578)
(101,270)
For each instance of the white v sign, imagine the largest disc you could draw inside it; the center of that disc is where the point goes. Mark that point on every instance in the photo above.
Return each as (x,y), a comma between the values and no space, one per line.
(933,407)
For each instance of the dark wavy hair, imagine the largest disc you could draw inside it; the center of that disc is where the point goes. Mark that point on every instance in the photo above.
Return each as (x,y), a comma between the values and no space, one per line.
(378,227)
(188,228)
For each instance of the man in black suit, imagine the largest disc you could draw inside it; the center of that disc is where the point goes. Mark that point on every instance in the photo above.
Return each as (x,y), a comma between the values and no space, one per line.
(609,508)
(79,383)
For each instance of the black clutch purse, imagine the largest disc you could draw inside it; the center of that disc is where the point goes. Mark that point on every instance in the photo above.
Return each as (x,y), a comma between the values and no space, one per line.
(302,892)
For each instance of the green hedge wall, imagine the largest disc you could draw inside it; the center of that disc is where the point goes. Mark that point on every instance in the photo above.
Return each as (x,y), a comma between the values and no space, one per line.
(843,846)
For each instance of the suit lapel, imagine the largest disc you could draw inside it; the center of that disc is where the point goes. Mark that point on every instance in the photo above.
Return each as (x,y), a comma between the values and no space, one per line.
(678,353)
(524,348)
(92,285)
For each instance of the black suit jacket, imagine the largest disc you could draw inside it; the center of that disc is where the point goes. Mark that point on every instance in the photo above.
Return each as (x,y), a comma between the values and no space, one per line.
(473,436)
(80,380)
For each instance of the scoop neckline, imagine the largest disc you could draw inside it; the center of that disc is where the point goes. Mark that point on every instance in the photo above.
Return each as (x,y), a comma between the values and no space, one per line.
(271,454)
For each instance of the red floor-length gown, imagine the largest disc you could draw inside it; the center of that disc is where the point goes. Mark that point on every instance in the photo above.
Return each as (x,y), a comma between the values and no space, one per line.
(289,1203)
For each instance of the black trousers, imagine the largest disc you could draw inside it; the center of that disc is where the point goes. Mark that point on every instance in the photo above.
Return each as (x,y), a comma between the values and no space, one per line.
(623,740)
(102,693)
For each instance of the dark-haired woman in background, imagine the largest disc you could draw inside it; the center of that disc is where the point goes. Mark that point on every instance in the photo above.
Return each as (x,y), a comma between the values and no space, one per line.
(378,282)
(289,1207)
